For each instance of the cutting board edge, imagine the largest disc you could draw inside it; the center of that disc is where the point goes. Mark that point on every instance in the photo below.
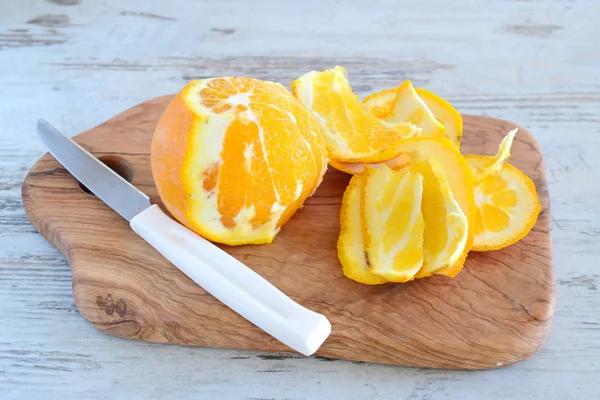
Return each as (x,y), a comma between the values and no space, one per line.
(108,328)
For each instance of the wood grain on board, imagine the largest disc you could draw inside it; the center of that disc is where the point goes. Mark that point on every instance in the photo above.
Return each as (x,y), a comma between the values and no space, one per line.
(495,313)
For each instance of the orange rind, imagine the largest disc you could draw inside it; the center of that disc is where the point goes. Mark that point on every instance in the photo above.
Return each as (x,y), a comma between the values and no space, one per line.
(352,134)
(506,199)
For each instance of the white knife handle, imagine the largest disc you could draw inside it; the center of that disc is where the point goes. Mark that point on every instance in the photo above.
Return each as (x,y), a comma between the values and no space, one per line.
(233,283)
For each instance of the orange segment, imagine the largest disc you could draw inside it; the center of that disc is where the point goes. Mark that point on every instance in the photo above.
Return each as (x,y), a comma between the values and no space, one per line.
(352,133)
(234,158)
(505,198)
(350,245)
(494,218)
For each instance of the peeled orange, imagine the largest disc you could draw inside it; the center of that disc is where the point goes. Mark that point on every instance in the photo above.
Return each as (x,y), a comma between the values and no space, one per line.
(234,158)
(352,133)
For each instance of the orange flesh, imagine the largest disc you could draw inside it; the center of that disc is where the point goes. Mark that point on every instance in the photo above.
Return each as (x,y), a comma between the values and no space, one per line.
(270,159)
(353,134)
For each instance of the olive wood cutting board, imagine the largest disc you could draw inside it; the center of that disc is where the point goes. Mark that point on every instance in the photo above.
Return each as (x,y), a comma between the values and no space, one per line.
(496,312)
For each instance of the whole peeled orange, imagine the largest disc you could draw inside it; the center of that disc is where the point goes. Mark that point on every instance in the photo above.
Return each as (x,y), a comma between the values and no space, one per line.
(234,158)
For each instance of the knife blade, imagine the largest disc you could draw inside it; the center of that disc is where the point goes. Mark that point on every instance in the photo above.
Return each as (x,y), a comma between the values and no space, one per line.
(105,183)
(230,281)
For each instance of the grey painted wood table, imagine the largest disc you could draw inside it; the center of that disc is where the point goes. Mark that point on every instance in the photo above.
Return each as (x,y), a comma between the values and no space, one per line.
(78,62)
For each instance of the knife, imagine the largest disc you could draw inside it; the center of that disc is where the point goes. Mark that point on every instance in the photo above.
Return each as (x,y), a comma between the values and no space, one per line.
(221,275)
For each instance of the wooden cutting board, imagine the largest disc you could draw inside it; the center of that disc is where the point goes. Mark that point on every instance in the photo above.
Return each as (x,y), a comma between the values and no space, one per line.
(496,312)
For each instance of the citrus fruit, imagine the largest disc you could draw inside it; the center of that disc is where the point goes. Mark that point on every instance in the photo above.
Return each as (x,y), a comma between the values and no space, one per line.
(350,245)
(445,113)
(380,104)
(446,227)
(352,133)
(393,223)
(234,158)
(506,199)
(407,106)
(460,179)
(358,168)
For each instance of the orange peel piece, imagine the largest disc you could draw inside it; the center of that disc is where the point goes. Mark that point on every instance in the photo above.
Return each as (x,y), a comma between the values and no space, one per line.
(393,223)
(351,252)
(506,199)
(380,104)
(358,168)
(446,226)
(352,133)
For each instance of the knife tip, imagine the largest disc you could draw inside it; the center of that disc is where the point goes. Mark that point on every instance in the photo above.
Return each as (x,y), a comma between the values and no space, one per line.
(42,122)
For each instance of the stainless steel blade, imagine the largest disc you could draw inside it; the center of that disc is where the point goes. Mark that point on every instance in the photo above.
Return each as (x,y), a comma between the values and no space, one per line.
(105,183)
